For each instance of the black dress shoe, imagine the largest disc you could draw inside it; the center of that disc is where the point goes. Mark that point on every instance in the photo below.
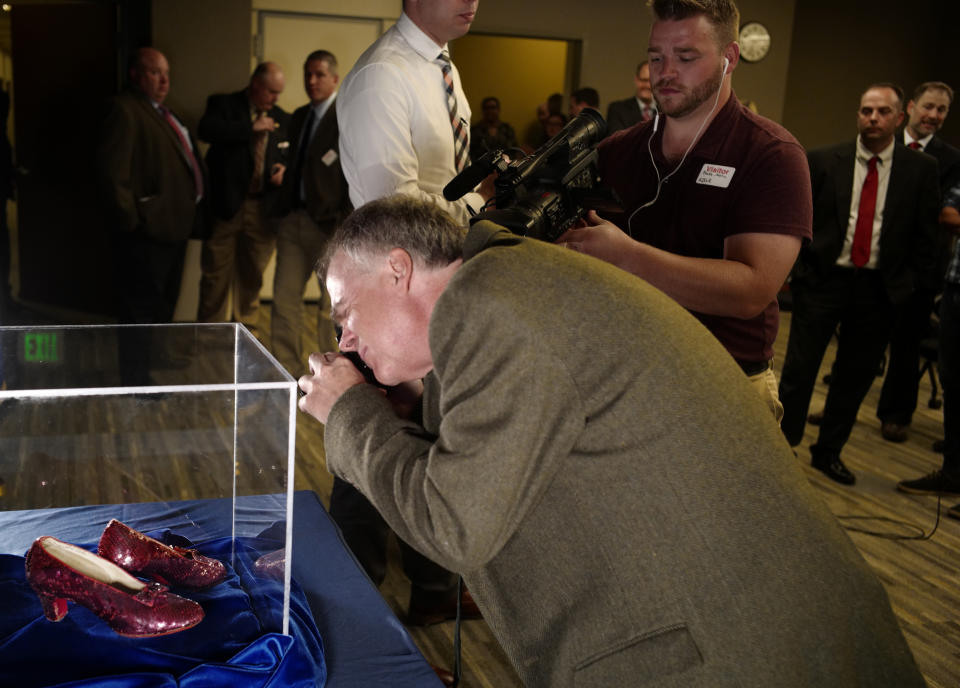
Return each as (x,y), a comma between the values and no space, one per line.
(834,469)
(893,432)
(935,483)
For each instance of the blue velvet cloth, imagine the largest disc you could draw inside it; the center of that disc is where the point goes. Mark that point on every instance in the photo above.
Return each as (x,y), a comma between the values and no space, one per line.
(239,642)
(364,644)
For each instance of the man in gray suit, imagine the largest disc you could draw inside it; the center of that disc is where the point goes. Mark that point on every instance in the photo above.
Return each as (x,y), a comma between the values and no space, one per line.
(597,468)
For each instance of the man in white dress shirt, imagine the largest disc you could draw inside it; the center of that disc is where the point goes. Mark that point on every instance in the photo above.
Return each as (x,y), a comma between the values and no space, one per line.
(396,134)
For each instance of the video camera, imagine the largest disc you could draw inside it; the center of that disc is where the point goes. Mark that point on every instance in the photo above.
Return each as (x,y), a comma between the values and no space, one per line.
(545,193)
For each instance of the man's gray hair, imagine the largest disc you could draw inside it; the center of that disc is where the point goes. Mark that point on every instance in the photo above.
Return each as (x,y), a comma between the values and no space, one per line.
(421,228)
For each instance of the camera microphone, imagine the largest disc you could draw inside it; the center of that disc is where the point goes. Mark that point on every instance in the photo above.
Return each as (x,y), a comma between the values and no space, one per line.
(471,176)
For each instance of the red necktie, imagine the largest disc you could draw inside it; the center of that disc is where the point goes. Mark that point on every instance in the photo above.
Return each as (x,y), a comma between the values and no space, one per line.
(187,151)
(860,251)
(915,145)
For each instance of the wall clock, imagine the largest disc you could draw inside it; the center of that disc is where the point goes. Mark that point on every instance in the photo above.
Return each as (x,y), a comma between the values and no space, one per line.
(754,41)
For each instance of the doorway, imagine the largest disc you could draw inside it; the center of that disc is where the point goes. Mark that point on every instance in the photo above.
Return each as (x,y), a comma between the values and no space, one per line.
(534,68)
(64,66)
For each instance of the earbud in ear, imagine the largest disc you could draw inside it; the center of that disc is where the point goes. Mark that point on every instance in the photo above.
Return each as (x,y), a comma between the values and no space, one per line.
(726,63)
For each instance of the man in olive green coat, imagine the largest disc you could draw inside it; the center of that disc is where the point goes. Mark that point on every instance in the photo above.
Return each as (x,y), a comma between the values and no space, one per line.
(618,500)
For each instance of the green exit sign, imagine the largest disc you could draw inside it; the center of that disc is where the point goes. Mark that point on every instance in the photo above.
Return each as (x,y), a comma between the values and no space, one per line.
(41,347)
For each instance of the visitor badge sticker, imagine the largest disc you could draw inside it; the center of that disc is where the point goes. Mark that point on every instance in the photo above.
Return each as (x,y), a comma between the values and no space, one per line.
(715,175)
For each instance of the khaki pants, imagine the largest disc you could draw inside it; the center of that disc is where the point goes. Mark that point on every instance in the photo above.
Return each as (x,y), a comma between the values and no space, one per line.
(235,255)
(765,384)
(300,242)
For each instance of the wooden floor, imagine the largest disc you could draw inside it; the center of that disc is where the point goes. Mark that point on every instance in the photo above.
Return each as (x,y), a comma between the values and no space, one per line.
(922,577)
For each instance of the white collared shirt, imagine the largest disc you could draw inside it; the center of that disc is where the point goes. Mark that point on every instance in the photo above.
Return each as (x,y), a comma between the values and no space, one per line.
(395,132)
(652,105)
(883,181)
(908,139)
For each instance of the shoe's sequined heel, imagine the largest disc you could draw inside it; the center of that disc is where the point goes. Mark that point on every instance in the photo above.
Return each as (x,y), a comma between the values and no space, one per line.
(54,608)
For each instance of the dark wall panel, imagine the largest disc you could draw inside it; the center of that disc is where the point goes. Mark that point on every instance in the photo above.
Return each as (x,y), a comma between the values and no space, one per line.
(839,48)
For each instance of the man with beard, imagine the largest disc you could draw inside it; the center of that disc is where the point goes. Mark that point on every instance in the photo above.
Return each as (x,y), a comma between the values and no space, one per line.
(716,198)
(926,112)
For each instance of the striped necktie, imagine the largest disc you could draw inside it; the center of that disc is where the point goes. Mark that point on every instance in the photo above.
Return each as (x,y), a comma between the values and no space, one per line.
(259,145)
(460,131)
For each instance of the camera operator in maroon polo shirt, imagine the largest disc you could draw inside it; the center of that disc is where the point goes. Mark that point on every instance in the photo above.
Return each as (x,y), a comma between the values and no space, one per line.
(717,198)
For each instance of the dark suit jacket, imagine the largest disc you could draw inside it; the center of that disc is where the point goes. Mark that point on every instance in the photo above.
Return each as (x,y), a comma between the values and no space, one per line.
(948,160)
(909,229)
(622,114)
(144,175)
(226,125)
(327,198)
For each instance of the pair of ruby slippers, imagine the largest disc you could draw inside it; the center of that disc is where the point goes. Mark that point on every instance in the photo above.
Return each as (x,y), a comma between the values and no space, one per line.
(58,571)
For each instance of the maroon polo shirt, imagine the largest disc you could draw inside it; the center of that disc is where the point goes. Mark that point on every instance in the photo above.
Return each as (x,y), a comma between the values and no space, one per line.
(746,174)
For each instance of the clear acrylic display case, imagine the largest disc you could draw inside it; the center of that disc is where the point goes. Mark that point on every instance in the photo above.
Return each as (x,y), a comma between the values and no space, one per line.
(181,416)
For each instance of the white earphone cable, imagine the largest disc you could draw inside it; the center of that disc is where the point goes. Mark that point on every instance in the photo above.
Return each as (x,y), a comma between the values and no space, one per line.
(656,121)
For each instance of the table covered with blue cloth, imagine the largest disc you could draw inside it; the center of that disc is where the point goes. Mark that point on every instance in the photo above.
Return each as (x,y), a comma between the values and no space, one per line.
(341,632)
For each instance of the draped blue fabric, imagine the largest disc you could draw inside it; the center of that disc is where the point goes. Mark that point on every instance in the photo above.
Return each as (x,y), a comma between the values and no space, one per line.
(238,643)
(364,644)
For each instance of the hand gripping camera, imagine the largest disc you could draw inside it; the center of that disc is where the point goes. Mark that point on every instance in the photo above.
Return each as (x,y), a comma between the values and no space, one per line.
(544,194)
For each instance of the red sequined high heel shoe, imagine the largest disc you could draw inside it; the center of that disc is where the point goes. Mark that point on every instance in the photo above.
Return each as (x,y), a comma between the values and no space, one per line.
(58,572)
(135,552)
